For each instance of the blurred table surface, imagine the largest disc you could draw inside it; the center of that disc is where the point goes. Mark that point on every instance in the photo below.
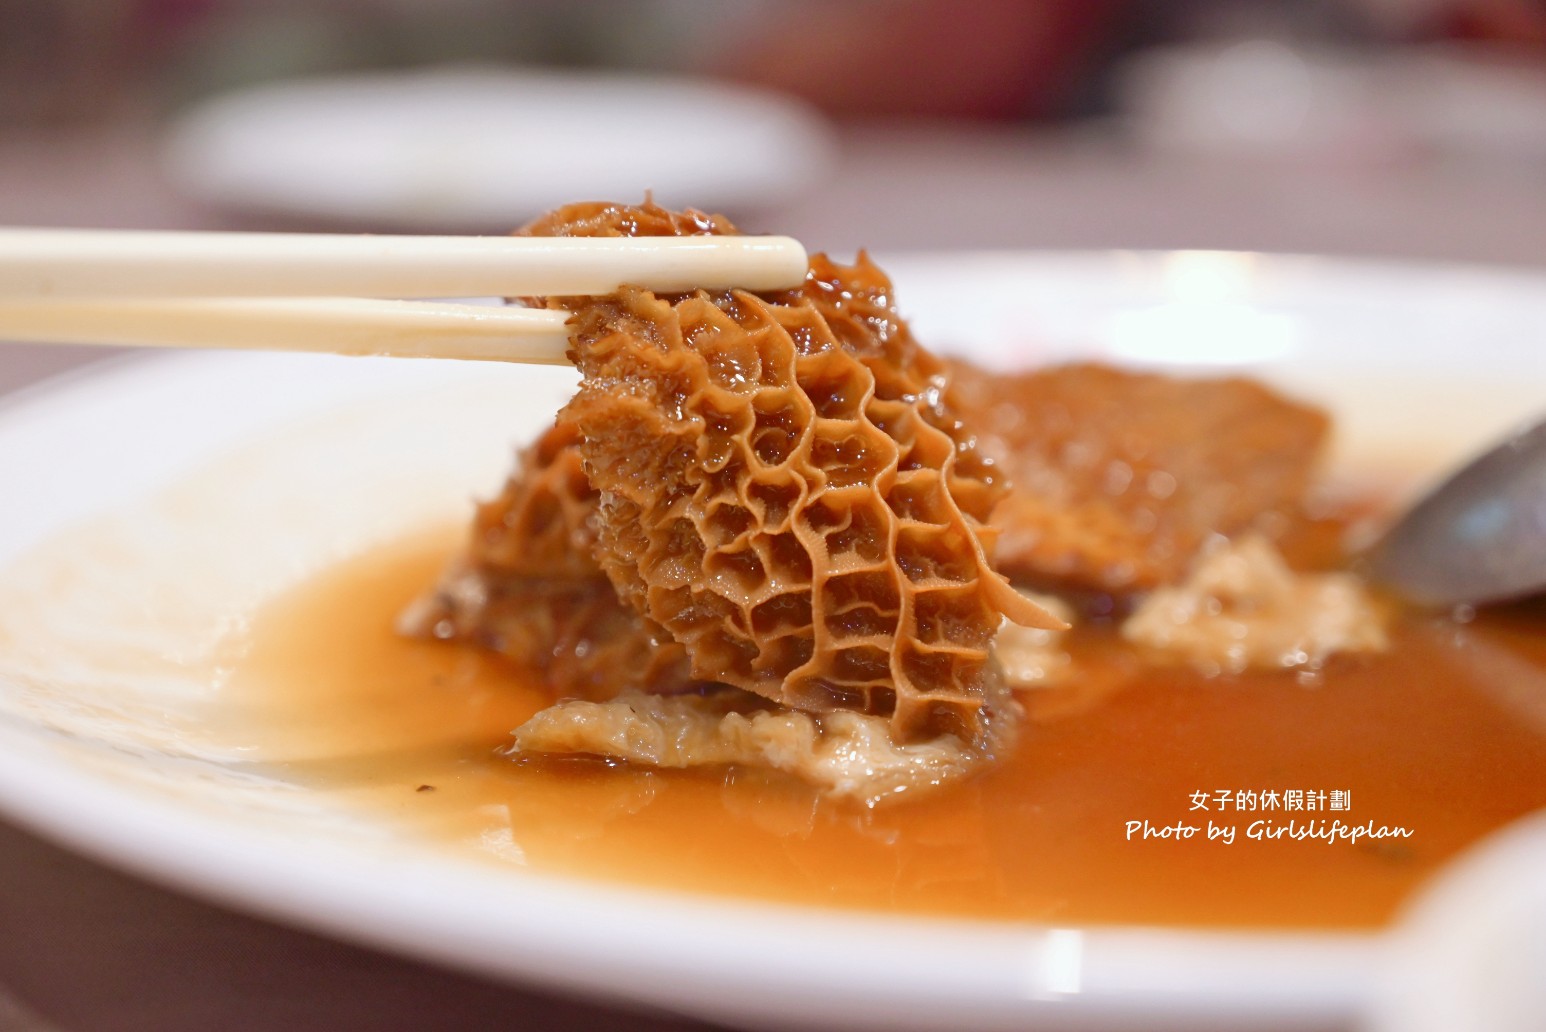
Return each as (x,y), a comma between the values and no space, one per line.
(84,948)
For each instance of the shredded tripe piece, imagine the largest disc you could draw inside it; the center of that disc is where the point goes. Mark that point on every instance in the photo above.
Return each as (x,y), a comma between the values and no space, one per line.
(1243,608)
(846,754)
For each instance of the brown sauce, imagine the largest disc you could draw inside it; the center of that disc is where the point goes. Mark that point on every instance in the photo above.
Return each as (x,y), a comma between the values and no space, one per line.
(1444,736)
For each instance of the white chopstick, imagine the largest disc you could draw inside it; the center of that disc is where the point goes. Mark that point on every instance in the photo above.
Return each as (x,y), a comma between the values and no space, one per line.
(275,290)
(77,262)
(338,325)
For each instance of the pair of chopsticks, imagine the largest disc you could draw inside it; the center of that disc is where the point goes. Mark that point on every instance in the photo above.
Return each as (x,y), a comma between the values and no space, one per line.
(348,294)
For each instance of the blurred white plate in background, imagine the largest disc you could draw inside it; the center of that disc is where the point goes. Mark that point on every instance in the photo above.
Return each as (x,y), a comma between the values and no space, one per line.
(487,149)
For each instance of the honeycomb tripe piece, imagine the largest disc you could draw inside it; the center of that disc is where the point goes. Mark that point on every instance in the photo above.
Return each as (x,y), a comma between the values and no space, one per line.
(785,488)
(1118,478)
(527,585)
(541,525)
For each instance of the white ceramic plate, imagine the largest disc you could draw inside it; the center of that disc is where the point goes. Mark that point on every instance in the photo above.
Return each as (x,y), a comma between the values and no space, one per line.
(199,485)
(484,148)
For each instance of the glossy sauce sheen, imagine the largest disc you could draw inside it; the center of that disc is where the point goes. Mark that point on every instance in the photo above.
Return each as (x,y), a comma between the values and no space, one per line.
(1445,735)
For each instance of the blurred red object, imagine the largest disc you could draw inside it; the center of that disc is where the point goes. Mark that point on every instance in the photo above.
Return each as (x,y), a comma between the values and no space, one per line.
(994,59)
(1517,23)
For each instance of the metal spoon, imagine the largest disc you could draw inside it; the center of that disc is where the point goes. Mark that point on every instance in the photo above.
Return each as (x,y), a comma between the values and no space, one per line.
(1480,536)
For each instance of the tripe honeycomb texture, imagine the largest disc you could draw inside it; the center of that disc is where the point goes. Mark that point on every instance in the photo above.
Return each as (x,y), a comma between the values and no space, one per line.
(541,525)
(784,487)
(1121,477)
(528,586)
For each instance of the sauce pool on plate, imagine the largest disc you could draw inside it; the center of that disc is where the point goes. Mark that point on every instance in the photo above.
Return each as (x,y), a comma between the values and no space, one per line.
(1438,738)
